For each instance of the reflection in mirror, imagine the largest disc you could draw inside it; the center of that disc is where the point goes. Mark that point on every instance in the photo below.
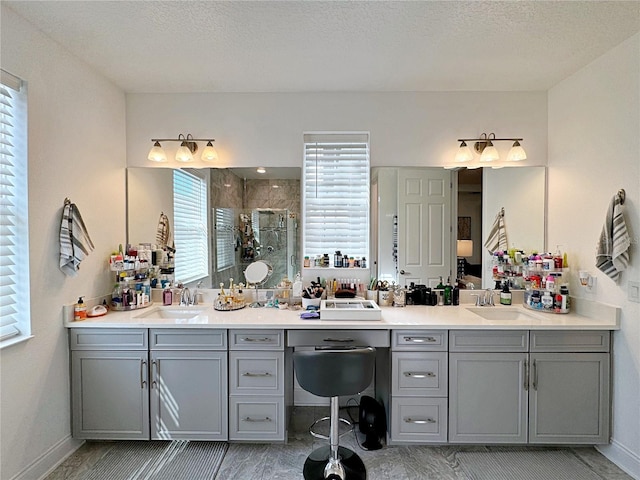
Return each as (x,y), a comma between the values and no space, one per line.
(253,217)
(481,193)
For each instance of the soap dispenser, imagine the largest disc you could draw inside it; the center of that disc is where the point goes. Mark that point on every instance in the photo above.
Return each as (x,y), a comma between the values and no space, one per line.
(505,294)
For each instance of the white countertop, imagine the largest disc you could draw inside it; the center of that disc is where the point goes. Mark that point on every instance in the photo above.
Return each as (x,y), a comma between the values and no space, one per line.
(586,315)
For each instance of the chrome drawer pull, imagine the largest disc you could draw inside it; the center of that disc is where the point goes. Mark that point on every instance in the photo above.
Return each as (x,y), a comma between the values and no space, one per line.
(418,421)
(420,339)
(261,420)
(419,374)
(253,374)
(250,339)
(341,340)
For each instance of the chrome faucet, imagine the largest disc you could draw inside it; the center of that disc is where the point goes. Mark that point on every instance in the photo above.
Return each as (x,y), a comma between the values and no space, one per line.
(488,298)
(185,297)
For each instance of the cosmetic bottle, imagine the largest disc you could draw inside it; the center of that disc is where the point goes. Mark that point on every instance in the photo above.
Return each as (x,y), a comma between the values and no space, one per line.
(505,294)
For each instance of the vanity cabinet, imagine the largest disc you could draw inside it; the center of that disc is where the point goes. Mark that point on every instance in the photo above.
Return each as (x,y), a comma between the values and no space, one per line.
(418,387)
(149,384)
(529,387)
(259,378)
(188,384)
(109,384)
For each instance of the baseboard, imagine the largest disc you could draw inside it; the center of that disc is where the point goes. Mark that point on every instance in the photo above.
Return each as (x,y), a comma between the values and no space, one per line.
(50,459)
(622,457)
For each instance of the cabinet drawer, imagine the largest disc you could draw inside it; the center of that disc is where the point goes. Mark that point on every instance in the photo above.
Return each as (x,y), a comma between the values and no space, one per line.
(488,341)
(418,420)
(419,373)
(419,340)
(108,339)
(333,338)
(187,339)
(256,339)
(257,373)
(570,341)
(252,418)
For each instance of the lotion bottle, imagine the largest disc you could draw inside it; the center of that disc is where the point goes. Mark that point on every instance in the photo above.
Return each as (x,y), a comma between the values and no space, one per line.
(80,310)
(167,296)
(505,294)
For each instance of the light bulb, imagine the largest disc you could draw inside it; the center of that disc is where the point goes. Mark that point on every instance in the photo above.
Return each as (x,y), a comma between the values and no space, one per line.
(184,154)
(490,153)
(516,153)
(209,153)
(156,154)
(464,153)
(261,170)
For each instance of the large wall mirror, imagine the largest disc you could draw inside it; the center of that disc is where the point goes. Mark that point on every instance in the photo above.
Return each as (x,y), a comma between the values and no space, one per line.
(251,217)
(257,216)
(468,210)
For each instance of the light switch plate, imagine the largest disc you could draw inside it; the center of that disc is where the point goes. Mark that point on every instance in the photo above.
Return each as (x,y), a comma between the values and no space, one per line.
(634,292)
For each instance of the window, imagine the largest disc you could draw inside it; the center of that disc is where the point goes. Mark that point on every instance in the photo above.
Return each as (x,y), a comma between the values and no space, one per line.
(336,194)
(15,314)
(225,239)
(190,225)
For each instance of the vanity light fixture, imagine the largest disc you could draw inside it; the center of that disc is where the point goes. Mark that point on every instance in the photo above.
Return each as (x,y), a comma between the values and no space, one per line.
(188,147)
(483,145)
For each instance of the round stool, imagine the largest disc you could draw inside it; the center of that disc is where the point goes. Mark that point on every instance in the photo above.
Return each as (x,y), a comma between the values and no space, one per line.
(331,373)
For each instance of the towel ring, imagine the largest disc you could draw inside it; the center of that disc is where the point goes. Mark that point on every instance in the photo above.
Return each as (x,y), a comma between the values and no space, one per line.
(621,195)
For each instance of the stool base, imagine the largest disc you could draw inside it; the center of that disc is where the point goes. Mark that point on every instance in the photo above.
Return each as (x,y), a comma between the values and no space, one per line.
(314,466)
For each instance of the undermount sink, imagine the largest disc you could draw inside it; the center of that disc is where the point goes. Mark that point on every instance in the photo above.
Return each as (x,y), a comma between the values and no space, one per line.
(171,313)
(500,313)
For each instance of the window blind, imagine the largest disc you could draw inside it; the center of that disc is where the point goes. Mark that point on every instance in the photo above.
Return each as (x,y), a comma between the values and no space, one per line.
(14,233)
(225,241)
(190,225)
(336,194)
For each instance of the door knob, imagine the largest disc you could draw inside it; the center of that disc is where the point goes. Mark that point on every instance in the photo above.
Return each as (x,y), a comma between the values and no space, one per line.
(402,272)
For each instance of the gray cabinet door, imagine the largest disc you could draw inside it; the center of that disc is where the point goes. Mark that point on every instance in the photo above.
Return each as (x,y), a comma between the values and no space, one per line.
(487,398)
(110,395)
(569,398)
(188,395)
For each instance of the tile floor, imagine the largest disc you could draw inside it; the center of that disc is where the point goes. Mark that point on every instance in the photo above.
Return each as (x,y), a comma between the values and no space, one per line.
(250,461)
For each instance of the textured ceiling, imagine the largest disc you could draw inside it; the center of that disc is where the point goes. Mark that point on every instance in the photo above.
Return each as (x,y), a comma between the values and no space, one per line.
(319,46)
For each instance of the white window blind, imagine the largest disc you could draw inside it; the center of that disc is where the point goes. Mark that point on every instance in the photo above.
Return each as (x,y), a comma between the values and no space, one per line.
(225,238)
(15,317)
(190,225)
(336,194)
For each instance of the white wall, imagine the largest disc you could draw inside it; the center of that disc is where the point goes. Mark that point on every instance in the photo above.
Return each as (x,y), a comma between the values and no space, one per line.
(411,129)
(594,150)
(76,150)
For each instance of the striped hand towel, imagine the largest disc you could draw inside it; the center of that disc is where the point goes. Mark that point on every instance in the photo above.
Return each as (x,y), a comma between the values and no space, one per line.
(164,238)
(497,239)
(75,243)
(612,251)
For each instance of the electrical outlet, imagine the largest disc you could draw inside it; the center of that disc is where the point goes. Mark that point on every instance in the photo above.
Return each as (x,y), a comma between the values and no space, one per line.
(634,292)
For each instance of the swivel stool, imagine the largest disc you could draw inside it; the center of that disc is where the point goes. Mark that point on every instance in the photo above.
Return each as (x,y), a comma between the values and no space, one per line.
(331,373)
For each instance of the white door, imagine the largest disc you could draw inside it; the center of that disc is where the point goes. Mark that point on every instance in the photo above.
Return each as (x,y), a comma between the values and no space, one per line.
(424,225)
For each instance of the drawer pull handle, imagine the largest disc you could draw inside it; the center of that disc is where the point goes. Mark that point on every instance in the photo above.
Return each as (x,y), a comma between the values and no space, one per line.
(261,420)
(156,373)
(254,374)
(526,376)
(419,374)
(535,375)
(338,340)
(419,421)
(253,339)
(420,339)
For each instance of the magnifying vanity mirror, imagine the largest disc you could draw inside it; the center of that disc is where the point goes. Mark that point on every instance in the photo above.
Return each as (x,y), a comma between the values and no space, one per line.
(256,275)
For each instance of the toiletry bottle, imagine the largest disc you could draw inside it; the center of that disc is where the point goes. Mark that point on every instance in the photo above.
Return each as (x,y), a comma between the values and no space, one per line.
(455,294)
(505,294)
(167,296)
(551,283)
(447,292)
(79,310)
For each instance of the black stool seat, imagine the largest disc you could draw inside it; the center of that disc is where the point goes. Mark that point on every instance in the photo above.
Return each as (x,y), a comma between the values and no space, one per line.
(332,373)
